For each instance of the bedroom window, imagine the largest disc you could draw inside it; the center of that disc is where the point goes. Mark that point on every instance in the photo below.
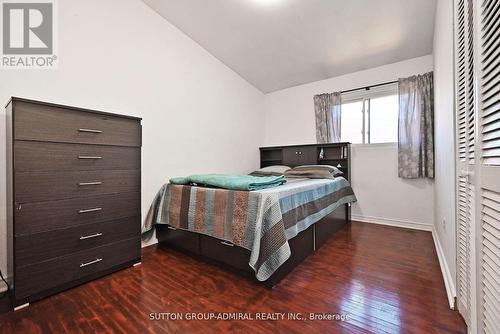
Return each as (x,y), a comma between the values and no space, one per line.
(370,116)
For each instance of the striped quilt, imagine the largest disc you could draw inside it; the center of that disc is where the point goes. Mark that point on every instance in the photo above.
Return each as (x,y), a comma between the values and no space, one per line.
(261,221)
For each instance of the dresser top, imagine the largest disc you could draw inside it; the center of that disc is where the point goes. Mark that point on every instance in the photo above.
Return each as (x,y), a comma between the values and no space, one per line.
(14,98)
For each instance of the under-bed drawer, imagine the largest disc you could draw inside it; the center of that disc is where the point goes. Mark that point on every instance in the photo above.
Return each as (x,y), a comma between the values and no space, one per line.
(46,186)
(224,252)
(58,124)
(46,216)
(179,239)
(38,247)
(31,156)
(36,278)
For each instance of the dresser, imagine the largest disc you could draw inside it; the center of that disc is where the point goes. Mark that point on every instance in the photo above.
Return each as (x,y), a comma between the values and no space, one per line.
(73,196)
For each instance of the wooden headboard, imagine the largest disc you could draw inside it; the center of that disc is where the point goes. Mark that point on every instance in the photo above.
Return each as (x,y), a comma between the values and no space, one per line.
(337,154)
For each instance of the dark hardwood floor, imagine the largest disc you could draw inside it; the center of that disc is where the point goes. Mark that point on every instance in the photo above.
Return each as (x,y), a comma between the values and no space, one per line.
(385,279)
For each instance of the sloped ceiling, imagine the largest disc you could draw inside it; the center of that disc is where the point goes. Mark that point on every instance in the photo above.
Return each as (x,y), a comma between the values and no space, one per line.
(276,44)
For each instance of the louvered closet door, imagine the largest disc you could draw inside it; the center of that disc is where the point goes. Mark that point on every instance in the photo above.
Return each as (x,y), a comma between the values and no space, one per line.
(489,114)
(465,99)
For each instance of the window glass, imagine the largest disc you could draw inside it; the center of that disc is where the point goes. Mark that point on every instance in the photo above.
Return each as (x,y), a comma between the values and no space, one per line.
(384,119)
(377,122)
(352,122)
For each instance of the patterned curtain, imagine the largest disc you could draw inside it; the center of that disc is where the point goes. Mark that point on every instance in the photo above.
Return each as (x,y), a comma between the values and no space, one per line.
(328,111)
(416,127)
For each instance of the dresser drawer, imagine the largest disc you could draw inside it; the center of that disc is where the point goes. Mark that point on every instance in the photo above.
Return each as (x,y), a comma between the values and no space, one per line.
(31,156)
(58,124)
(50,215)
(46,186)
(38,247)
(46,275)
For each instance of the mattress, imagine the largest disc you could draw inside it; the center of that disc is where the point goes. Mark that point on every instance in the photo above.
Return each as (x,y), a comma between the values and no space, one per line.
(261,221)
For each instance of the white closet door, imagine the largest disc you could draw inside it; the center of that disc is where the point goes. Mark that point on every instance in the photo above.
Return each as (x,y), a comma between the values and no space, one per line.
(489,169)
(466,125)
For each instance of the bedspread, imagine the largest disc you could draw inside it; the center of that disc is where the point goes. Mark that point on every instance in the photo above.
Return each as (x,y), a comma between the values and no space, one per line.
(261,221)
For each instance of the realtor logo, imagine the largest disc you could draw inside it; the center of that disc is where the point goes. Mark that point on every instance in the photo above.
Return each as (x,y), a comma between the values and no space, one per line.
(28,34)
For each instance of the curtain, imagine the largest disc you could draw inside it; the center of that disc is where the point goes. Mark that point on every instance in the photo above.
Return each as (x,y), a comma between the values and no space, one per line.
(328,111)
(416,127)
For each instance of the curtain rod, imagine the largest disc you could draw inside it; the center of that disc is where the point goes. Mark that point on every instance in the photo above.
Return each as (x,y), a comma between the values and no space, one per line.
(368,87)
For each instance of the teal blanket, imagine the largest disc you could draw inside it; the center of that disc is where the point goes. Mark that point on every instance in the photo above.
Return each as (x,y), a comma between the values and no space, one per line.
(232,182)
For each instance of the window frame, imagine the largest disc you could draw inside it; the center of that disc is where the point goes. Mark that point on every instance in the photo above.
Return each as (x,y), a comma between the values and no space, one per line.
(365,96)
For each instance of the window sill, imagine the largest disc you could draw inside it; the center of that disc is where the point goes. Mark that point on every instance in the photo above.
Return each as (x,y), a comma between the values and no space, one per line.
(375,146)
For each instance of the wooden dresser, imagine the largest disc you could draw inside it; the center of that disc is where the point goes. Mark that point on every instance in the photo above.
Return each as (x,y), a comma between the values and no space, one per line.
(73,196)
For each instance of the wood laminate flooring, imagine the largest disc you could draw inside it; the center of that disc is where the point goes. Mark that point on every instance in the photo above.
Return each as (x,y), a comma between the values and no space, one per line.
(383,279)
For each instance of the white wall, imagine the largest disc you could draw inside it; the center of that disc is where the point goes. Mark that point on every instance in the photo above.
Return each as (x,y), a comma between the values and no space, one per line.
(120,56)
(383,197)
(444,137)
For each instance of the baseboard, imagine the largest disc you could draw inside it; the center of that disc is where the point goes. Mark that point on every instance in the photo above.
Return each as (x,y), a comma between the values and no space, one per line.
(393,222)
(445,270)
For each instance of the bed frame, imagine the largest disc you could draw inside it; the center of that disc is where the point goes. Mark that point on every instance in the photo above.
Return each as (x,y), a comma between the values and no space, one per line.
(235,258)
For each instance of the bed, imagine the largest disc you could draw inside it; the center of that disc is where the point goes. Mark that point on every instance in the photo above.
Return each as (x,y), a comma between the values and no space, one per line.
(260,234)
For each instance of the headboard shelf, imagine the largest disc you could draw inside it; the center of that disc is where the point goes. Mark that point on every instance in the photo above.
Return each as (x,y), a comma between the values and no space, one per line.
(335,154)
(332,161)
(272,160)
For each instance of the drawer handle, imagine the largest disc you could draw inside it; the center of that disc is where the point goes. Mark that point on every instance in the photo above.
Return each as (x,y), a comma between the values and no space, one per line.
(96,235)
(227,243)
(90,130)
(89,210)
(171,228)
(89,263)
(83,157)
(89,183)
